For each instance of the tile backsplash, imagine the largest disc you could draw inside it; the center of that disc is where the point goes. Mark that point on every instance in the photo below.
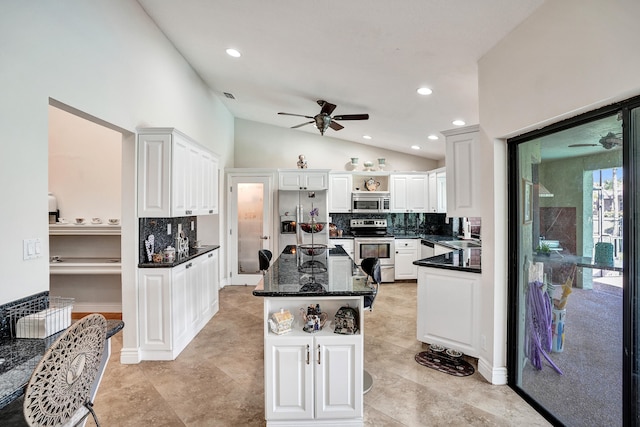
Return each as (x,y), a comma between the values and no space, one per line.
(158,228)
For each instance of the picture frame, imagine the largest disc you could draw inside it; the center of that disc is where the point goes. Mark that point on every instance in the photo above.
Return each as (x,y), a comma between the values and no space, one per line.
(527,201)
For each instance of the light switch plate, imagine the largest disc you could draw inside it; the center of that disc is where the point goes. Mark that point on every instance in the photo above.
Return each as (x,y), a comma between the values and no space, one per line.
(31,248)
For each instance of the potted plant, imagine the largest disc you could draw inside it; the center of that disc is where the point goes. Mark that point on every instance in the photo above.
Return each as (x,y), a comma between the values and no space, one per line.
(543,249)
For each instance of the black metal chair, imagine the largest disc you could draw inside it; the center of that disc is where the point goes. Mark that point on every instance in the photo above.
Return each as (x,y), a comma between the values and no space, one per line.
(264,258)
(371,267)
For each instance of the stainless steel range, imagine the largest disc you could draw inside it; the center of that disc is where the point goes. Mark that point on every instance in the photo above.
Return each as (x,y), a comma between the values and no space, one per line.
(371,240)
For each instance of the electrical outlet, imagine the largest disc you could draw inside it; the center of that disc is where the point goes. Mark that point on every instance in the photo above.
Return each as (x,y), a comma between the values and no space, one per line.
(179,229)
(193,225)
(169,229)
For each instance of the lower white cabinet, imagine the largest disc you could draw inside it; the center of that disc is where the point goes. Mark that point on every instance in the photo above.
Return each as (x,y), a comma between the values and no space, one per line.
(407,251)
(175,304)
(448,309)
(347,245)
(313,378)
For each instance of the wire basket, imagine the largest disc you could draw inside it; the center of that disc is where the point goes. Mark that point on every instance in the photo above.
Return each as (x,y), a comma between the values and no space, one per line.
(40,317)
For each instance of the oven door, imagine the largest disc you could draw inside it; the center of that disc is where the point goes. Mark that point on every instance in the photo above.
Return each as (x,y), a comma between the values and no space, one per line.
(382,248)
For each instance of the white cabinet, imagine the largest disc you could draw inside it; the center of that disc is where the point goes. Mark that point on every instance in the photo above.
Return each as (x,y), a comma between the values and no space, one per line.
(175,304)
(409,193)
(437,191)
(407,251)
(463,174)
(303,179)
(313,378)
(440,249)
(340,188)
(448,309)
(347,245)
(176,176)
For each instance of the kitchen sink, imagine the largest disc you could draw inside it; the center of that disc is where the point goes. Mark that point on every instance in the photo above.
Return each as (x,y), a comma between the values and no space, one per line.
(462,244)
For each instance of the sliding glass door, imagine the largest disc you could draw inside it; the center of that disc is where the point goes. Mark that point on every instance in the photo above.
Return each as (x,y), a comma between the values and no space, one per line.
(572,286)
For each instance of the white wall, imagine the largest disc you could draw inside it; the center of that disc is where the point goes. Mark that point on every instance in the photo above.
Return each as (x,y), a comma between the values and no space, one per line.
(259,145)
(105,58)
(570,56)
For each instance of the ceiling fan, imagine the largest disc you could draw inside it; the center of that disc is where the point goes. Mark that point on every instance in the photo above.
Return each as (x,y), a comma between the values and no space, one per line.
(323,120)
(608,141)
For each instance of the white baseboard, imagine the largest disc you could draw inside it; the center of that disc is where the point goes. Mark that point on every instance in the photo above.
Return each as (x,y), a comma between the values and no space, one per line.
(495,375)
(130,356)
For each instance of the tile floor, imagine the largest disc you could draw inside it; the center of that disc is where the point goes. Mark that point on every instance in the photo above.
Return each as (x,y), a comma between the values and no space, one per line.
(218,379)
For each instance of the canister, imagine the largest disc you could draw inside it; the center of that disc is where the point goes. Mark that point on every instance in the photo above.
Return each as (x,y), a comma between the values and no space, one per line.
(169,254)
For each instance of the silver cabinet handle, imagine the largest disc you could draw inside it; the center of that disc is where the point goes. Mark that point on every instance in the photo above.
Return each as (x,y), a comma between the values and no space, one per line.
(318,354)
(307,354)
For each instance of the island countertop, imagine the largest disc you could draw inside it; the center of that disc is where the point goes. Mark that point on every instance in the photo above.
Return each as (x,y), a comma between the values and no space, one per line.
(294,274)
(460,260)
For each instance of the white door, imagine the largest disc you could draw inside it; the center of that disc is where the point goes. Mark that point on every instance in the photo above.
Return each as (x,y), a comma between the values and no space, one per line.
(250,225)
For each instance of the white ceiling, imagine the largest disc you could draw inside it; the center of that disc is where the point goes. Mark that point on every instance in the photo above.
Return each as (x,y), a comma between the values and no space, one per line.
(365,56)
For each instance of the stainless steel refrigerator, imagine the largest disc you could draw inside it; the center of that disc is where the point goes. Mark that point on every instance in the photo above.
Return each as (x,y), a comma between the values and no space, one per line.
(294,208)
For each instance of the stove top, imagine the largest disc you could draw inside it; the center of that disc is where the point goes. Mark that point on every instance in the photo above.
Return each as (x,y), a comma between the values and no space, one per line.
(370,227)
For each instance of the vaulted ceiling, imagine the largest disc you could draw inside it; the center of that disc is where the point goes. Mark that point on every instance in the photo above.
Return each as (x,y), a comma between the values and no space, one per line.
(365,56)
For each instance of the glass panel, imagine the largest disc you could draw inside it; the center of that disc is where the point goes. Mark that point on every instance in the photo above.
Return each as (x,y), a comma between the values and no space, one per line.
(569,320)
(632,314)
(250,220)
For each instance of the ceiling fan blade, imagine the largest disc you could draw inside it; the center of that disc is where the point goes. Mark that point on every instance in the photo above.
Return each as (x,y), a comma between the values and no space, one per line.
(335,126)
(302,124)
(297,115)
(352,117)
(584,145)
(327,107)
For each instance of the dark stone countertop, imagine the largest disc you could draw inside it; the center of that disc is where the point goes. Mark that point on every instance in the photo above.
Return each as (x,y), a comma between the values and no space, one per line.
(21,355)
(468,260)
(193,253)
(332,273)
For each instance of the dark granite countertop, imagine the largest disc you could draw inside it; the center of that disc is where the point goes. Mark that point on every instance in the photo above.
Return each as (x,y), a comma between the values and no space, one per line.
(460,260)
(193,253)
(332,273)
(20,356)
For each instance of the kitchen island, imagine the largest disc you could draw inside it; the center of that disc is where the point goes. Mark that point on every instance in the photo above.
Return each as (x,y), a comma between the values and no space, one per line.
(313,377)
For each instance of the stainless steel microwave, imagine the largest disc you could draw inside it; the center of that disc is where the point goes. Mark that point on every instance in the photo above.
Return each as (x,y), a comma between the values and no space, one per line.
(370,202)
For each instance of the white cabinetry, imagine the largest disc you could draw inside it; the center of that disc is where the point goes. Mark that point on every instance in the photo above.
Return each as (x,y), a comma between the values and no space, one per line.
(303,179)
(409,193)
(407,251)
(438,191)
(347,245)
(175,304)
(313,378)
(176,176)
(463,175)
(448,309)
(440,249)
(340,188)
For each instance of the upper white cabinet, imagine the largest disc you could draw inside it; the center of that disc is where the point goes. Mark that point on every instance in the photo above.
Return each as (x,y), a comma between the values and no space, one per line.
(302,179)
(176,176)
(437,191)
(462,171)
(340,185)
(409,192)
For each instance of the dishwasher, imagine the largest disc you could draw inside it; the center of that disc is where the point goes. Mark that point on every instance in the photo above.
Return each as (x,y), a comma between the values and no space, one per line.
(427,249)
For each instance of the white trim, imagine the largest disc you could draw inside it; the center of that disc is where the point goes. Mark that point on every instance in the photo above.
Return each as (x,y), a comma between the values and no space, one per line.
(495,375)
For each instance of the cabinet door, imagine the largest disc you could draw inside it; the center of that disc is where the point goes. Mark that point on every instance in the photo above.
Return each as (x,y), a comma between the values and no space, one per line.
(406,253)
(154,175)
(433,192)
(417,193)
(154,302)
(180,176)
(441,195)
(208,291)
(462,172)
(179,305)
(209,184)
(193,292)
(194,181)
(341,274)
(340,186)
(338,376)
(399,188)
(290,181)
(288,364)
(316,180)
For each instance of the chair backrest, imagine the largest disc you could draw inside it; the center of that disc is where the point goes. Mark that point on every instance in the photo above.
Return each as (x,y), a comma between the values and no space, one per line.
(603,253)
(264,258)
(371,267)
(59,390)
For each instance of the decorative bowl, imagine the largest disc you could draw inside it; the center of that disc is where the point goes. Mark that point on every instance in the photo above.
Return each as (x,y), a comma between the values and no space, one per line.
(313,249)
(312,227)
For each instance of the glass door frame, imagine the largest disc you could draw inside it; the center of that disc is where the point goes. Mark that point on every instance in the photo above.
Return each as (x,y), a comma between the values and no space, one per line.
(631,249)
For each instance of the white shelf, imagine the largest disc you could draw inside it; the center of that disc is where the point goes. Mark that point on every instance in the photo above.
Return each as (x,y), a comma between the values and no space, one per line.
(69,266)
(85,229)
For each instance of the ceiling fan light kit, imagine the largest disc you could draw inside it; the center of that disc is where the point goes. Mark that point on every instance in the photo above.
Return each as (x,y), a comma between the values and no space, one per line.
(607,142)
(323,120)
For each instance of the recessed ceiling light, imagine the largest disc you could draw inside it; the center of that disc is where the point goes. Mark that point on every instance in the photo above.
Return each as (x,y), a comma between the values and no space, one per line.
(433,137)
(459,122)
(424,91)
(233,52)
(415,147)
(366,136)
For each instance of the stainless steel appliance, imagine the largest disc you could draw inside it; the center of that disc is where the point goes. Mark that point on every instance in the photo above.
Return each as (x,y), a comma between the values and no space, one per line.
(370,202)
(371,240)
(294,208)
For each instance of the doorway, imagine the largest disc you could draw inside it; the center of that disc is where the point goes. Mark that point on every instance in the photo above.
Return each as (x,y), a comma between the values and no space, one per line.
(250,225)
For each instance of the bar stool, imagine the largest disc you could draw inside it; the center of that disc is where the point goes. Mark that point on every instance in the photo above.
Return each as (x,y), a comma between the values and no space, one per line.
(371,267)
(264,259)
